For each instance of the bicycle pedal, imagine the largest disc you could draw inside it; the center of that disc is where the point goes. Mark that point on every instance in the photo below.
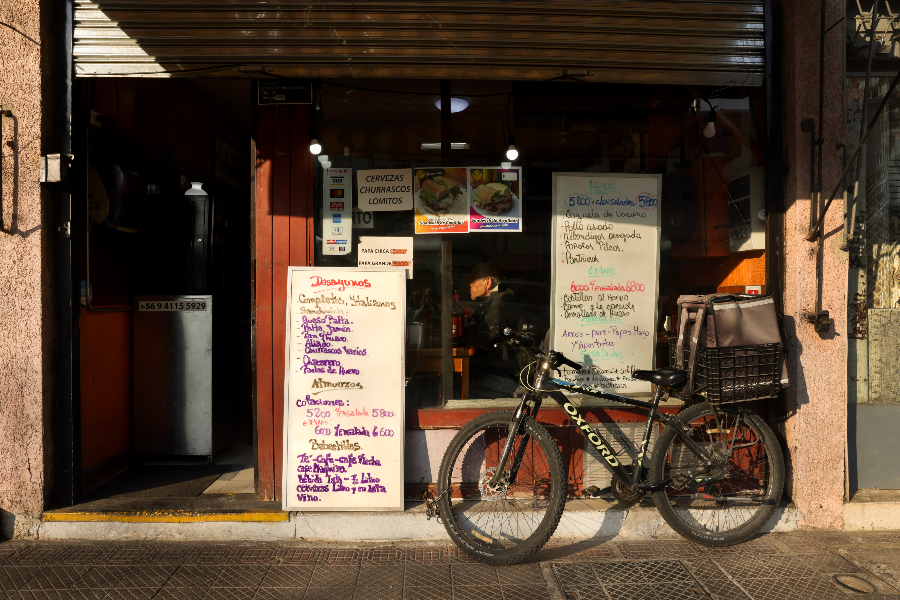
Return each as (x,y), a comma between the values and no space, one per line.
(595,492)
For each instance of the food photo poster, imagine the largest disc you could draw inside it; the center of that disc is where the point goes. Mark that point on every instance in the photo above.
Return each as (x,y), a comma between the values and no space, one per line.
(439,200)
(495,199)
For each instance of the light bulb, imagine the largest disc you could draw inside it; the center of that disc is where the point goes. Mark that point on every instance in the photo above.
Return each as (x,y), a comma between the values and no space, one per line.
(710,129)
(512,153)
(314,146)
(456,104)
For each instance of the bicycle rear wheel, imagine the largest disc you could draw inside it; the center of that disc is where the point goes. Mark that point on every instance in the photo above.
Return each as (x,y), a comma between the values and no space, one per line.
(509,523)
(718,509)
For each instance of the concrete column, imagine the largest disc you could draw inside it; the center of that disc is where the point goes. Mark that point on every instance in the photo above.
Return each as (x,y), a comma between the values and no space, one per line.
(24,310)
(815,426)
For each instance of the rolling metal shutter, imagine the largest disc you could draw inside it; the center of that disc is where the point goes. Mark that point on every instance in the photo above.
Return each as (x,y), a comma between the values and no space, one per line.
(714,42)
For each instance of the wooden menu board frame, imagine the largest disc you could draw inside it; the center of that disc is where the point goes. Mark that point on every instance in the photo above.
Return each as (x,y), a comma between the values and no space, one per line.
(607,335)
(342,455)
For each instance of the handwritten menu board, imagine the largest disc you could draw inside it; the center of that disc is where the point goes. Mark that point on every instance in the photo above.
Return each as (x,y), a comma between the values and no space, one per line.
(605,276)
(344,386)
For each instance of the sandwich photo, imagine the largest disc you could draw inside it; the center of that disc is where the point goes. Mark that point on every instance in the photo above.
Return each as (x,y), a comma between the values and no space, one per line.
(438,194)
(493,197)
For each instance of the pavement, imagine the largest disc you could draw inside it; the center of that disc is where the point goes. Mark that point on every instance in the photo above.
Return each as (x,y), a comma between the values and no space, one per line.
(776,566)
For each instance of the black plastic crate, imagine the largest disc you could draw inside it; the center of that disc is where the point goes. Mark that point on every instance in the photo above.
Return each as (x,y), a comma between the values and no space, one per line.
(738,374)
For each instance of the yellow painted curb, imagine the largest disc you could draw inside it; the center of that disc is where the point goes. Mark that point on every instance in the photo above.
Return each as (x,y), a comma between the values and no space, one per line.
(167,517)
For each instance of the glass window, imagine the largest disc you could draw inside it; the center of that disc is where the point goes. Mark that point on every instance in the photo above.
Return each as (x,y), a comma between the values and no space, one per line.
(712,221)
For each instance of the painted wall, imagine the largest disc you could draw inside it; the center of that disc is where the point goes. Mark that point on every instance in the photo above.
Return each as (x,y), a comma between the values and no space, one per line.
(815,424)
(24,316)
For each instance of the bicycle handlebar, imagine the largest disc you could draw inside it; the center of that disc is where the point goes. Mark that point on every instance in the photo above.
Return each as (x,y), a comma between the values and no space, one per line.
(527,338)
(565,361)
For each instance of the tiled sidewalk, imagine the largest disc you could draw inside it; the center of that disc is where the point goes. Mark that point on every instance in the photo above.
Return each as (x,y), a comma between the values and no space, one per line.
(773,567)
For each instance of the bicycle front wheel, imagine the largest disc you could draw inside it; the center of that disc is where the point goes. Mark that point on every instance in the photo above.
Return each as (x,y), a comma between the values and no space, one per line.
(501,524)
(707,506)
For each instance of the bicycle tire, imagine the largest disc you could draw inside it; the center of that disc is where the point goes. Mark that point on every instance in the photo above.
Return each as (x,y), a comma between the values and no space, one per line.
(755,480)
(506,527)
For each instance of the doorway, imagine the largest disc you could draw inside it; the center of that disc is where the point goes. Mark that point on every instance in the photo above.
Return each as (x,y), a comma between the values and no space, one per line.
(162,232)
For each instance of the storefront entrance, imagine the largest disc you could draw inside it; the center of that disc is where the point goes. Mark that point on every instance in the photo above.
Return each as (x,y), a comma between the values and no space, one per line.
(163,236)
(579,88)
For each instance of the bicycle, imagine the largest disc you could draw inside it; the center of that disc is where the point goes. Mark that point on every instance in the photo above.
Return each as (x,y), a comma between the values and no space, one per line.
(716,473)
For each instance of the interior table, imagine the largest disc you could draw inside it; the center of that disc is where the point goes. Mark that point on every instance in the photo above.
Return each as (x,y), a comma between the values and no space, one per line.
(429,360)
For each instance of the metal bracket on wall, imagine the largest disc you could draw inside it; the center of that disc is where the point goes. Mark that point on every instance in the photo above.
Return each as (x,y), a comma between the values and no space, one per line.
(820,321)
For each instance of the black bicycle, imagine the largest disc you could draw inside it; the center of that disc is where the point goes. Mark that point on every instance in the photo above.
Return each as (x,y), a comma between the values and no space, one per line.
(716,473)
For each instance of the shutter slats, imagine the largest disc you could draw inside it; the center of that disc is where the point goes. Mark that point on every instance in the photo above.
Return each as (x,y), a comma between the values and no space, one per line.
(677,41)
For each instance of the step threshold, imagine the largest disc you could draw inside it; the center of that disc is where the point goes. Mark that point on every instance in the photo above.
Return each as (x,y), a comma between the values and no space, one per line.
(207,508)
(166,517)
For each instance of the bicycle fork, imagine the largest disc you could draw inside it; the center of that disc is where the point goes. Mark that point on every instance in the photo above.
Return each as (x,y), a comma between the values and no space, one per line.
(523,410)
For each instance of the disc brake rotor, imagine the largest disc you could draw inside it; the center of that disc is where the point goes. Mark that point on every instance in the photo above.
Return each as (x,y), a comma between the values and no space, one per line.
(491,492)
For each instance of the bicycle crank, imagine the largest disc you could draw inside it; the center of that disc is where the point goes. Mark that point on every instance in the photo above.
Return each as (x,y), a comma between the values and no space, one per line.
(624,494)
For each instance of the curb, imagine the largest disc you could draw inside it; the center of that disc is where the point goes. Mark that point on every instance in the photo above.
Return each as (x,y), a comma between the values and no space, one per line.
(582,519)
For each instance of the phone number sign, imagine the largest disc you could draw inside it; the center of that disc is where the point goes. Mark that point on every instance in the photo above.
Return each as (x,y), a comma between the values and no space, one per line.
(162,306)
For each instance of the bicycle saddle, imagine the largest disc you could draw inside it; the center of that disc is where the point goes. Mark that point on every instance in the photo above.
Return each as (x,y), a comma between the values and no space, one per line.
(666,377)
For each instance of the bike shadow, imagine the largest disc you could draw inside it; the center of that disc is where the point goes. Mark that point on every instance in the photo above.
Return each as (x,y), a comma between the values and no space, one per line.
(587,525)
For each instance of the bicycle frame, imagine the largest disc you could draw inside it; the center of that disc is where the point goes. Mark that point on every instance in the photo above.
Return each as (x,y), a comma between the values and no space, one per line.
(611,462)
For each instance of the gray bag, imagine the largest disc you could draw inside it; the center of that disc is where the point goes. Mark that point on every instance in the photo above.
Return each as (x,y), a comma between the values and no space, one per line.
(745,322)
(724,321)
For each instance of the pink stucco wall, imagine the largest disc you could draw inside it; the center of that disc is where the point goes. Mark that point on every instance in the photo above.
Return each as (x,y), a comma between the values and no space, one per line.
(816,423)
(22,314)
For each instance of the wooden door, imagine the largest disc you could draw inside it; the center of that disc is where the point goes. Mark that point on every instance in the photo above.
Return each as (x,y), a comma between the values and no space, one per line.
(282,236)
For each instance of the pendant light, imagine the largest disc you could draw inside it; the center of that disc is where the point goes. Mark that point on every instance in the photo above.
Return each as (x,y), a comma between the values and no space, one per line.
(511,152)
(710,129)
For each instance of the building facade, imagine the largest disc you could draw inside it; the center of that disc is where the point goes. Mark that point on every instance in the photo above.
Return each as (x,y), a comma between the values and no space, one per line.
(155,99)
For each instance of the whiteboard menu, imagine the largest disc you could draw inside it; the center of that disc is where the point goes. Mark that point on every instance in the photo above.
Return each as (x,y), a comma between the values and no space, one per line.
(605,276)
(344,389)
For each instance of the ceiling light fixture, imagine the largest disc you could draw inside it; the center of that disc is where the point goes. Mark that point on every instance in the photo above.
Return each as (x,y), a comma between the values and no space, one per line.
(456,104)
(511,152)
(453,146)
(709,130)
(314,146)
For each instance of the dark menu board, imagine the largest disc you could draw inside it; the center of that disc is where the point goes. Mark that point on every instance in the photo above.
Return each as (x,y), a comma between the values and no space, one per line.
(605,276)
(344,385)
(284,91)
